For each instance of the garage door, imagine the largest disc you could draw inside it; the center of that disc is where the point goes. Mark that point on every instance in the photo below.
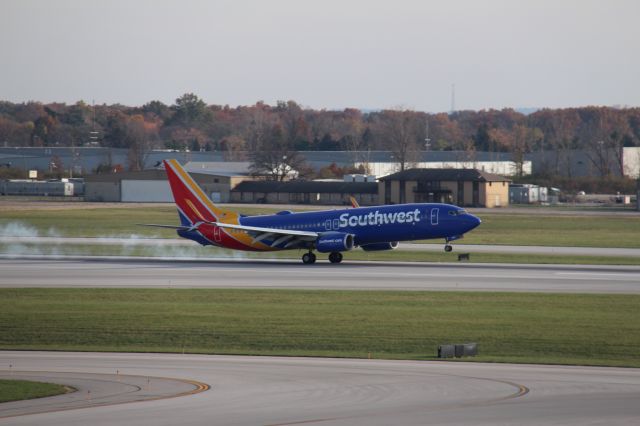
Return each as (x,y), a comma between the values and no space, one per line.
(146,191)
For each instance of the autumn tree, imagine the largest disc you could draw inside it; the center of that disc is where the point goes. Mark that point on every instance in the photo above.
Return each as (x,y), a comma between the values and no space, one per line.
(157,109)
(189,110)
(141,138)
(8,130)
(43,128)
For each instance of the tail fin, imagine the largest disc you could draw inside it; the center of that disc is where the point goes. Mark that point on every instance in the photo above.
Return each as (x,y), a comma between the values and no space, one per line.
(193,204)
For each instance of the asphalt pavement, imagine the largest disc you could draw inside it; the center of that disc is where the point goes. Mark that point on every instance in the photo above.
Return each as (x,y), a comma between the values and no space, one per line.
(109,272)
(291,391)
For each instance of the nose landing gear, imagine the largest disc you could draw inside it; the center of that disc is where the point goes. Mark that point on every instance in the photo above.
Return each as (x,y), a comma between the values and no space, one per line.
(448,248)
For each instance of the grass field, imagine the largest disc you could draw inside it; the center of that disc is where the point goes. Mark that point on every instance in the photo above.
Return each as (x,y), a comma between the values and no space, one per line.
(571,231)
(508,229)
(16,390)
(509,327)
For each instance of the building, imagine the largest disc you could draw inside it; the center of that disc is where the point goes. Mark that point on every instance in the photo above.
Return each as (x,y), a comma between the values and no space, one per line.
(382,163)
(524,193)
(583,163)
(153,186)
(572,163)
(36,188)
(85,160)
(305,192)
(212,167)
(463,187)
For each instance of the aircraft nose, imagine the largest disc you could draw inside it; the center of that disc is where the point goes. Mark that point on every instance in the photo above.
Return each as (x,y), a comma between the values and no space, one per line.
(475,221)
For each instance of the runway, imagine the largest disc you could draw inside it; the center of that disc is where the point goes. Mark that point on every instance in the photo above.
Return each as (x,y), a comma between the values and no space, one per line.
(111,272)
(290,391)
(175,243)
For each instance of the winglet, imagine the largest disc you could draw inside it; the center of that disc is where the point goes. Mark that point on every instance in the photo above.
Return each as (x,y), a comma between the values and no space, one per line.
(354,202)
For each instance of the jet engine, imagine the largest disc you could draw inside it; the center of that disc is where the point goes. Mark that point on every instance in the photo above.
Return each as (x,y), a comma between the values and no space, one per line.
(380,246)
(330,242)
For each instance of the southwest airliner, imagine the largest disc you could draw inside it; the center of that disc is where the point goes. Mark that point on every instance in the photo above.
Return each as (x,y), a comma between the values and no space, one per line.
(327,231)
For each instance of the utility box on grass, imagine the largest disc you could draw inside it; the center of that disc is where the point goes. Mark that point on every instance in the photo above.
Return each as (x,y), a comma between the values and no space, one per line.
(458,350)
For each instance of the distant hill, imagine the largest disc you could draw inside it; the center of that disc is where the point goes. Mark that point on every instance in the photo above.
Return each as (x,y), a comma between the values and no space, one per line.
(527,111)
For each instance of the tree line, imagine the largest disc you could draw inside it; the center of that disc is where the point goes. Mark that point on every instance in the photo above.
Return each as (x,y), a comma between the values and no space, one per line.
(272,135)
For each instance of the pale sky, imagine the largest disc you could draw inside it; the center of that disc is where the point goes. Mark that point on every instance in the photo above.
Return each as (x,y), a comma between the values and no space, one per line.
(323,53)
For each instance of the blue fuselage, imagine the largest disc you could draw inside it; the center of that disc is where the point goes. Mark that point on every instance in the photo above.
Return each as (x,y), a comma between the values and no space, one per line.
(368,225)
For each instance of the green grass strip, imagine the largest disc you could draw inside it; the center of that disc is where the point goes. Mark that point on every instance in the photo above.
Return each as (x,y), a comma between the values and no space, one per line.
(17,390)
(580,329)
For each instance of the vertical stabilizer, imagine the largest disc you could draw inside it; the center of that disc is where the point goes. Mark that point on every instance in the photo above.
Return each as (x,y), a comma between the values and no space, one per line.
(193,204)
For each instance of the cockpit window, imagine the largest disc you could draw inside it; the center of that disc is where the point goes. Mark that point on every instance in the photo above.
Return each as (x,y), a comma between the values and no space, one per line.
(457,212)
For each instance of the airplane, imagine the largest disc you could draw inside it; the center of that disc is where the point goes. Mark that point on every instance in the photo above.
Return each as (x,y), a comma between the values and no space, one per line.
(326,231)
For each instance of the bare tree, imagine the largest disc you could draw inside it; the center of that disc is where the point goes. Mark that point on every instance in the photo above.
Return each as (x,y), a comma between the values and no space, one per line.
(276,158)
(401,131)
(257,123)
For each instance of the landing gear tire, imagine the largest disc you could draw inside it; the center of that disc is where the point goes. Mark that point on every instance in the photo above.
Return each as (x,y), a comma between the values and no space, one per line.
(308,258)
(448,248)
(335,257)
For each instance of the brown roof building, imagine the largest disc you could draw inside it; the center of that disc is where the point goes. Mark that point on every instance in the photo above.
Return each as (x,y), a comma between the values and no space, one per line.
(305,192)
(462,187)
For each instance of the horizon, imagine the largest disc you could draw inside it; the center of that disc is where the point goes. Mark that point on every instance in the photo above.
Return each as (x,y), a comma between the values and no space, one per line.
(521,110)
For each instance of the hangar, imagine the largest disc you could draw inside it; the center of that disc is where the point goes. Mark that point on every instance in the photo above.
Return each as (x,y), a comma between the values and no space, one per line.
(153,186)
(463,187)
(305,192)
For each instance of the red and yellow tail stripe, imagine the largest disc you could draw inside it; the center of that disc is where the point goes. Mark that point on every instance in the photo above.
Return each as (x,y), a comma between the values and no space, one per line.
(197,207)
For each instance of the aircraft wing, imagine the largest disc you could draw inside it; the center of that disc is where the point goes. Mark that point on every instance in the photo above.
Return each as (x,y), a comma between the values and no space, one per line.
(278,236)
(260,229)
(289,237)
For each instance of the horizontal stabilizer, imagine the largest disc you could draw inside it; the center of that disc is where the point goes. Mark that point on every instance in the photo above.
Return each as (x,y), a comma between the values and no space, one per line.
(180,228)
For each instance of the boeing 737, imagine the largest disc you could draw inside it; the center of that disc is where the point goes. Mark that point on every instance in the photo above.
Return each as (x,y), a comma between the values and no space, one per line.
(326,231)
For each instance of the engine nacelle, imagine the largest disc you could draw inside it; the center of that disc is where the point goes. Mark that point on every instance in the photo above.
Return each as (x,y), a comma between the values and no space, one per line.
(380,246)
(334,241)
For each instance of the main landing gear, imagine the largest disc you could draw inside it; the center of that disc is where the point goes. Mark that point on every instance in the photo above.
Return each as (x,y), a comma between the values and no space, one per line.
(335,257)
(308,258)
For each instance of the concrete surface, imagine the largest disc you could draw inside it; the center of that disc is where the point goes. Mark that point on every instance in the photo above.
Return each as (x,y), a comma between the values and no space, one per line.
(289,391)
(91,390)
(462,248)
(197,273)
